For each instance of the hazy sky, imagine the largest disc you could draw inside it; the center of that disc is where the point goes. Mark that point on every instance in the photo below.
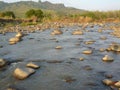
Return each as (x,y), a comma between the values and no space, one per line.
(85,4)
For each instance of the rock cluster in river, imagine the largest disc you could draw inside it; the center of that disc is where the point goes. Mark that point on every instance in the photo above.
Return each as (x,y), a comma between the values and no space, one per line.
(112,84)
(16,38)
(115,47)
(24,72)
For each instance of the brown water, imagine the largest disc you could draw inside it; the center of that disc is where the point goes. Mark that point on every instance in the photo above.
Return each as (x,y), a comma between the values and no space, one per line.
(39,47)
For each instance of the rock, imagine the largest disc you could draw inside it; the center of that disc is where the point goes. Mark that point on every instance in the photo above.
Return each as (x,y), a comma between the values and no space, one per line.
(69,79)
(108,76)
(2,62)
(107,58)
(56,32)
(58,47)
(11,43)
(108,49)
(87,52)
(103,38)
(19,35)
(81,59)
(32,65)
(100,31)
(77,44)
(14,39)
(117,84)
(115,47)
(87,67)
(89,42)
(101,49)
(1,46)
(23,73)
(107,82)
(77,32)
(11,88)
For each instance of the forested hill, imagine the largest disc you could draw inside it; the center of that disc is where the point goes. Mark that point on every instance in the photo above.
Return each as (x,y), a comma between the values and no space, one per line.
(19,8)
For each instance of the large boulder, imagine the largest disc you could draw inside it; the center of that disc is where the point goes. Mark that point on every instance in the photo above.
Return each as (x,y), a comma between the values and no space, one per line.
(2,62)
(23,73)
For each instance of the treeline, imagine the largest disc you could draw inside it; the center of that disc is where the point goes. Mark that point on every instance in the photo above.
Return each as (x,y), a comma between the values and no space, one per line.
(39,15)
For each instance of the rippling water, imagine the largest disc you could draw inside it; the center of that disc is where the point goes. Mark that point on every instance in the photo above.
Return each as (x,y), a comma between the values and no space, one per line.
(39,47)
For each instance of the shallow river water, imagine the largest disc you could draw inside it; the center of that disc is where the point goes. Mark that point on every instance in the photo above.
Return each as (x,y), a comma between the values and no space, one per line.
(56,66)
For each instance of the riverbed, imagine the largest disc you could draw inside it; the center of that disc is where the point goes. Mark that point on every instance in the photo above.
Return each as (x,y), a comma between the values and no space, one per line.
(61,69)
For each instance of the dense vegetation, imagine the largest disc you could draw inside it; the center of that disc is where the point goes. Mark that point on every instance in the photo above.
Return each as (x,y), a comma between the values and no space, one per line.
(35,15)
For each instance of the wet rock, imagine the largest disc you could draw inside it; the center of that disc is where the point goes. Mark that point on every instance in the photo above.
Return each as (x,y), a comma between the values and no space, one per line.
(107,82)
(2,62)
(56,32)
(103,38)
(58,47)
(81,59)
(117,84)
(69,79)
(87,52)
(115,47)
(87,67)
(14,40)
(23,73)
(19,35)
(77,32)
(12,88)
(32,65)
(89,42)
(108,49)
(1,46)
(101,49)
(107,58)
(108,76)
(100,31)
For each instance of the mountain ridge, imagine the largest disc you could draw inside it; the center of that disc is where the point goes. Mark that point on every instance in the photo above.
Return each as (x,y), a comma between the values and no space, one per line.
(19,8)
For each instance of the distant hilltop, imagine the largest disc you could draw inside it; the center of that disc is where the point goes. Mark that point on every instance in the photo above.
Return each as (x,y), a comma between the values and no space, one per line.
(19,8)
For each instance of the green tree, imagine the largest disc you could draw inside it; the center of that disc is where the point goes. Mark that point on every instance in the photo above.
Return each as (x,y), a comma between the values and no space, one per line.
(35,15)
(8,14)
